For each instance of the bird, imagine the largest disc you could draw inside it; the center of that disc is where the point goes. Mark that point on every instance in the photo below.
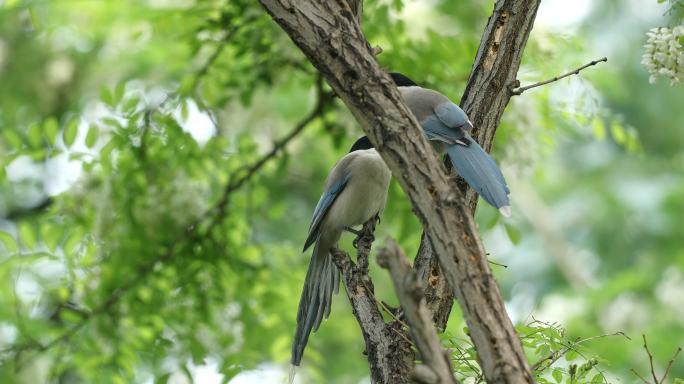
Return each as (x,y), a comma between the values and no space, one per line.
(355,191)
(447,126)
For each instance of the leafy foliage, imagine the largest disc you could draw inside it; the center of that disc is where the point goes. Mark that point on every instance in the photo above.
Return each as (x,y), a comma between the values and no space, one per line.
(546,344)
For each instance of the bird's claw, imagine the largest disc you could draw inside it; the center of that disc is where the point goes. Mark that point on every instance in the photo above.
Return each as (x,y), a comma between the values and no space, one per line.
(352,230)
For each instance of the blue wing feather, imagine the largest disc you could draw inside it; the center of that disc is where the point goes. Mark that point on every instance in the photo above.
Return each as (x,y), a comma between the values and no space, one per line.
(327,199)
(451,115)
(435,129)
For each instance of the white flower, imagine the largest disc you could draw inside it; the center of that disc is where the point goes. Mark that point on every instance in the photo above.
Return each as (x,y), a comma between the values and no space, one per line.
(663,54)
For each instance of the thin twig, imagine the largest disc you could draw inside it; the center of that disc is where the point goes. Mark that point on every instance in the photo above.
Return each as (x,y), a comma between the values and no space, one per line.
(576,71)
(669,365)
(497,264)
(639,376)
(650,359)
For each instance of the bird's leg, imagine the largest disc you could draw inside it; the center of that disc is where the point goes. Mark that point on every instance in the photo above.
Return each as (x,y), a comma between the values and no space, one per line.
(354,231)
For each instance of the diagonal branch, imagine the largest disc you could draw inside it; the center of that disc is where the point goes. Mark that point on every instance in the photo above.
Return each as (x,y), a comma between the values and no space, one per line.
(576,71)
(437,368)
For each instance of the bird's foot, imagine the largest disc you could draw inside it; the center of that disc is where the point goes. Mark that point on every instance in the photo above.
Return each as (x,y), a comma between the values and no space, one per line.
(352,230)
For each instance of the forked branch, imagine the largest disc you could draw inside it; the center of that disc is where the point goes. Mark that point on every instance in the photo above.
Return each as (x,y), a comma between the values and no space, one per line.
(650,363)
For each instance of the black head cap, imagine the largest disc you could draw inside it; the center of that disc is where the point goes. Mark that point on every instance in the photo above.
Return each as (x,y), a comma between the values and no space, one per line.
(401,80)
(360,144)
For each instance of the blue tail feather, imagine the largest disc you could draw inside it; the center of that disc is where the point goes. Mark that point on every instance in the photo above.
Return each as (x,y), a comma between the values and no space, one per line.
(322,279)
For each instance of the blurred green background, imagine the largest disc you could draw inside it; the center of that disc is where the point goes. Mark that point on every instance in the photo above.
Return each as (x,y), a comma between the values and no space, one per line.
(122,123)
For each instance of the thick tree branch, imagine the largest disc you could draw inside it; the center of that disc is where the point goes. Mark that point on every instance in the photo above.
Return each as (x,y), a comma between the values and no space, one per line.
(485,98)
(410,293)
(387,357)
(576,71)
(330,37)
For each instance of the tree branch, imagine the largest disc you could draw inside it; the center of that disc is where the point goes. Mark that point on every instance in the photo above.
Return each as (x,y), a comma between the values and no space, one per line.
(382,347)
(328,34)
(410,293)
(576,71)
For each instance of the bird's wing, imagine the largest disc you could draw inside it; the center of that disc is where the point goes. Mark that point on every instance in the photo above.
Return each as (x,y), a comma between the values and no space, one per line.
(333,190)
(451,114)
(436,129)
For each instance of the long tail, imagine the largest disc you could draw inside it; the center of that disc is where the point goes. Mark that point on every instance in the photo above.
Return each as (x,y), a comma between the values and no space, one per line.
(322,279)
(481,172)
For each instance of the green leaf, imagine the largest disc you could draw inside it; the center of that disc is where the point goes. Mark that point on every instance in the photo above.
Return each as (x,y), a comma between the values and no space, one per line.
(70,132)
(186,84)
(184,110)
(130,104)
(106,96)
(51,130)
(8,241)
(557,375)
(571,355)
(73,241)
(599,129)
(51,235)
(618,131)
(13,138)
(119,92)
(513,233)
(34,135)
(598,378)
(163,379)
(27,235)
(91,137)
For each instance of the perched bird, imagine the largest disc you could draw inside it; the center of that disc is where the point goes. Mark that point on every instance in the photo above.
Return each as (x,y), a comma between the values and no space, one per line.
(355,191)
(446,125)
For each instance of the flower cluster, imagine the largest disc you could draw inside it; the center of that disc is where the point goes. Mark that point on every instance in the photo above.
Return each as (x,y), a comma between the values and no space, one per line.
(664,55)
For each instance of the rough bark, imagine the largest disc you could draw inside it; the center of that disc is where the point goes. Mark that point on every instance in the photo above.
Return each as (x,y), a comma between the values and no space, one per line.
(437,366)
(486,95)
(328,34)
(389,356)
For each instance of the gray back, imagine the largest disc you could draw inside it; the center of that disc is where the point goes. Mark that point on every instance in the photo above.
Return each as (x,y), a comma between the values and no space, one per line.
(422,101)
